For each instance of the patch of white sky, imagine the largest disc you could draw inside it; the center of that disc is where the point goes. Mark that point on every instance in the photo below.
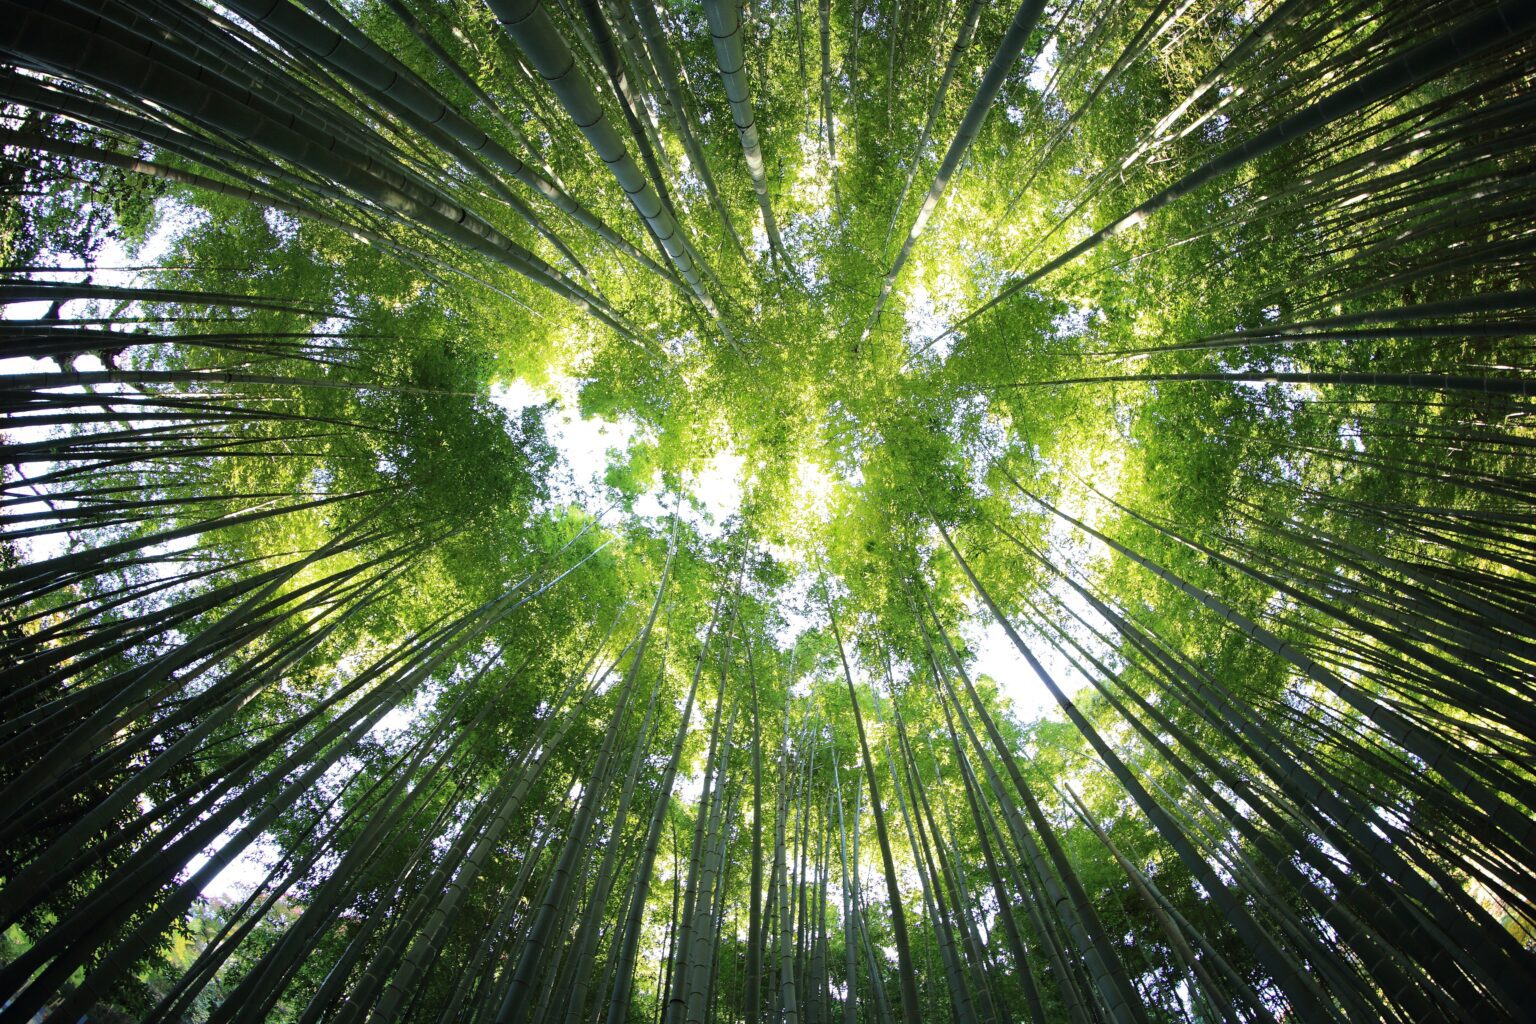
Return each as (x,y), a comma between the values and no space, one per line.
(587,445)
(925,322)
(249,867)
(758,243)
(813,181)
(1045,65)
(1087,489)
(114,269)
(242,874)
(51,545)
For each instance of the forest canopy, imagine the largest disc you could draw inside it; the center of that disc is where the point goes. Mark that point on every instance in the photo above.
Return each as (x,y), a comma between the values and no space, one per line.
(693,511)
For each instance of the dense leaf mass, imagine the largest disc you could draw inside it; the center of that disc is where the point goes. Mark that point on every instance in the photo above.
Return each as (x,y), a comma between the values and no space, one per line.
(690,511)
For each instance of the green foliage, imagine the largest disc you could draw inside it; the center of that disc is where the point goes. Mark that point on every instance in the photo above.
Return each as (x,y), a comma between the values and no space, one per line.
(1236,484)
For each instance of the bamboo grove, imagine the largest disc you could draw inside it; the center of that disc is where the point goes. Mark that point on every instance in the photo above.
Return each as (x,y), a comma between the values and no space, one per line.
(1166,360)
